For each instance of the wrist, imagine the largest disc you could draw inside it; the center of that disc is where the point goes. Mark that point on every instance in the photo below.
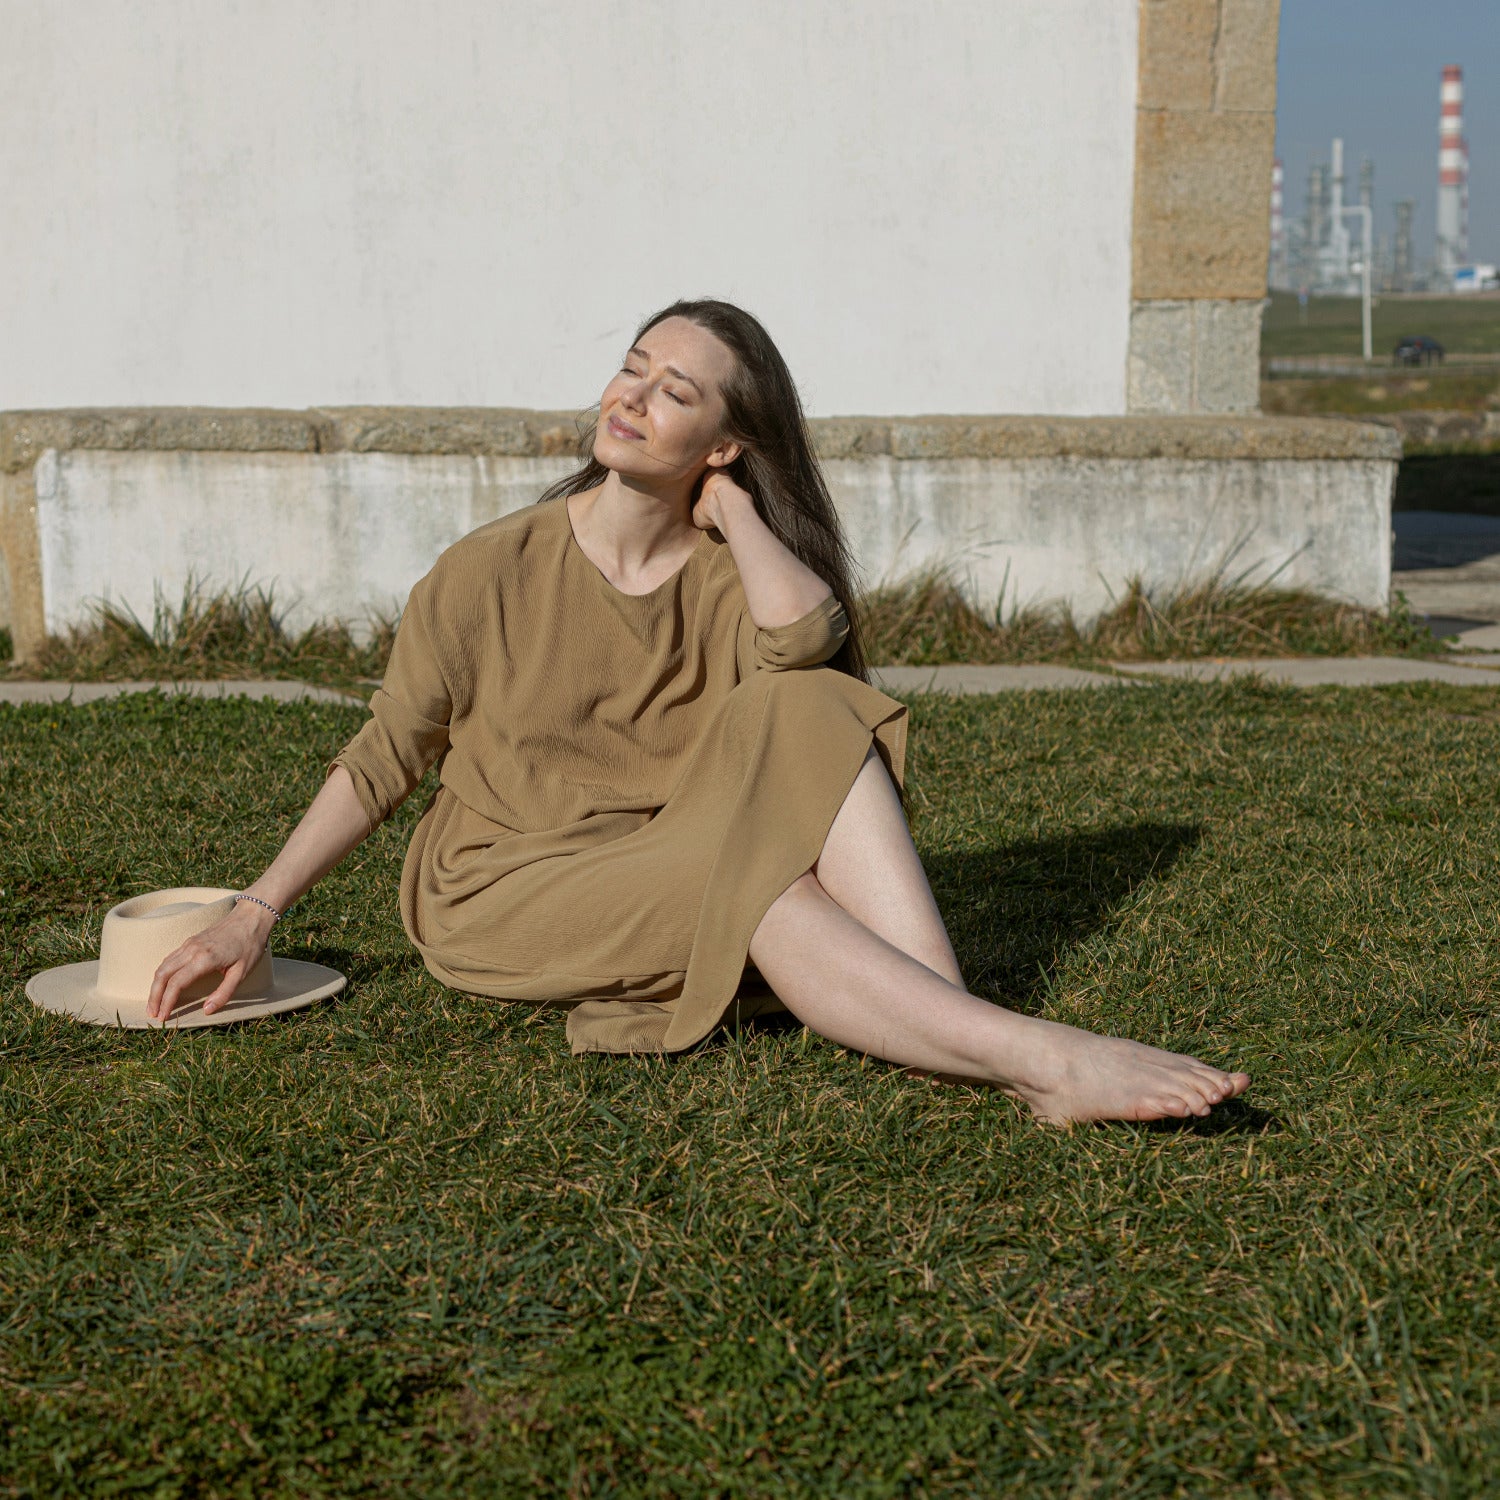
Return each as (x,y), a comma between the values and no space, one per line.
(259,918)
(732,509)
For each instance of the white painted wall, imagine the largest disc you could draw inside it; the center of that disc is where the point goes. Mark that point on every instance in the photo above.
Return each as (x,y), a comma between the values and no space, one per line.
(331,536)
(472,202)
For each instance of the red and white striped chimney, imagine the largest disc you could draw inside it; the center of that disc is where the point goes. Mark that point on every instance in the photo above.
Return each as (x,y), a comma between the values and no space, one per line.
(1453,164)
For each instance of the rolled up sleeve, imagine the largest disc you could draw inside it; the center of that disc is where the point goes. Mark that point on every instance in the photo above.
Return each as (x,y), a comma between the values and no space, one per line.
(800,643)
(409,717)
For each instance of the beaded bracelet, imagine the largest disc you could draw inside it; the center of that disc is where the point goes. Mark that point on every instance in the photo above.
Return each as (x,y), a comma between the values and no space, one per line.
(243,896)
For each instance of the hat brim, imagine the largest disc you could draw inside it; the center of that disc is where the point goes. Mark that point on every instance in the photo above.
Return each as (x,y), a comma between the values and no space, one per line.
(69,990)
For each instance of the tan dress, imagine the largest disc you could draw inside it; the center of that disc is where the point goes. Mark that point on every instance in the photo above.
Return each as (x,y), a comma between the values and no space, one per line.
(628,781)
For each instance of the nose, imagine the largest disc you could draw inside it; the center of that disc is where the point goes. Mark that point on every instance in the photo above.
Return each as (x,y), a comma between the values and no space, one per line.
(634,394)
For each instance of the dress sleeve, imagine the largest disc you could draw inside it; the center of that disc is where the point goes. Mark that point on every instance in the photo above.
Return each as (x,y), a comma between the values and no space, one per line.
(799,643)
(410,714)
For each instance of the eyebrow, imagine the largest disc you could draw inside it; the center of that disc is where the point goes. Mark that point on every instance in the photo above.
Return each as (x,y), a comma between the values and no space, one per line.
(672,370)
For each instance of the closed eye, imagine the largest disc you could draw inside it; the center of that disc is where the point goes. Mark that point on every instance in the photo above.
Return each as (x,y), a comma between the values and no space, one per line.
(637,375)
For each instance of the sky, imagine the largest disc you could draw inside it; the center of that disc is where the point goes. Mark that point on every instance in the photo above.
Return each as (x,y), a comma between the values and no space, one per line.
(1369,71)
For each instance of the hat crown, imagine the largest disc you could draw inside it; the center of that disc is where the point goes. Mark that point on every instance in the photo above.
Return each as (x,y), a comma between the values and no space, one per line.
(139,933)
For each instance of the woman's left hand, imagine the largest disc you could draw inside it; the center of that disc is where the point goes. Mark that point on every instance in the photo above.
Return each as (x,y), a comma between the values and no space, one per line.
(717,492)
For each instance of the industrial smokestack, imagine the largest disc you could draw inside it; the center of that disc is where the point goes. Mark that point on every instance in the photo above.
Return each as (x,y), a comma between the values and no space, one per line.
(1317,207)
(1453,162)
(1336,261)
(1404,260)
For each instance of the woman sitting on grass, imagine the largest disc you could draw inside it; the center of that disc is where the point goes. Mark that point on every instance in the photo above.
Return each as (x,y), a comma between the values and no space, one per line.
(669,796)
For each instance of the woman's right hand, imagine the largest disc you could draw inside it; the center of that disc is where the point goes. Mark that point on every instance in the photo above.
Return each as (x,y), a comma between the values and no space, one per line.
(330,828)
(230,947)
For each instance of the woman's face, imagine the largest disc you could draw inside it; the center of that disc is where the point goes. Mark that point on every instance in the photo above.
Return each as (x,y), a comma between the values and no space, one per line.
(660,417)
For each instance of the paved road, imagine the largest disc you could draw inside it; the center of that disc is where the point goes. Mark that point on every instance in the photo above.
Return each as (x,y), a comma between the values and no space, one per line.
(1330,671)
(1479,670)
(88,692)
(960,679)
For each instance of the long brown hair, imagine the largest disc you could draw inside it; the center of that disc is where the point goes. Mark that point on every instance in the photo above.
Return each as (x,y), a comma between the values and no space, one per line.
(777,465)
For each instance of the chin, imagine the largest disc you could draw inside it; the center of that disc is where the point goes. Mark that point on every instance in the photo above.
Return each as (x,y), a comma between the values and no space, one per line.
(615,454)
(625,458)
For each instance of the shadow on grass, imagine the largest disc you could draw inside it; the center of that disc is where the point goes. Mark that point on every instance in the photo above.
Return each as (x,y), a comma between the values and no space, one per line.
(1015,911)
(360,967)
(1234,1118)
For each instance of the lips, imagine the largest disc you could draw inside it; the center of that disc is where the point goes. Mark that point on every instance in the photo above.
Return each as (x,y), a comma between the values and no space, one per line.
(622,429)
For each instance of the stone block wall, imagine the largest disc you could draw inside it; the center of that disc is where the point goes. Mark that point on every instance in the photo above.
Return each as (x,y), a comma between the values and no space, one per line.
(1200,235)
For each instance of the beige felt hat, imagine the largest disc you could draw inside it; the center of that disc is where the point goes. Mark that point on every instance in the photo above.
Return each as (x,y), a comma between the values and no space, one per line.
(138,934)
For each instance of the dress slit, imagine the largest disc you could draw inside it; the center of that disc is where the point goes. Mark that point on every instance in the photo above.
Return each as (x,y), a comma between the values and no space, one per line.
(791,744)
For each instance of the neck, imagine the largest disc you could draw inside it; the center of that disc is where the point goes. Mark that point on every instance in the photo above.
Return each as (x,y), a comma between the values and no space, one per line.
(632,522)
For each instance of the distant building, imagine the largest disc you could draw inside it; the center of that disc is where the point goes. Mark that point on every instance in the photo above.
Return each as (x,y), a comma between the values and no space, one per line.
(1321,251)
(1476,279)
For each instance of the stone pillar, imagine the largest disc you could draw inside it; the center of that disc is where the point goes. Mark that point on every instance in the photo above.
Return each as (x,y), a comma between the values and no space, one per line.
(1200,236)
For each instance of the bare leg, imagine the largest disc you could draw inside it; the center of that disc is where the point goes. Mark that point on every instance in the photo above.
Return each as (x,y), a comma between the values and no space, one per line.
(864,990)
(870,866)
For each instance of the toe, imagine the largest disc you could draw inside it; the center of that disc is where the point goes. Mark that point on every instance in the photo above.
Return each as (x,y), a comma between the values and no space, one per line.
(1218,1086)
(1214,1076)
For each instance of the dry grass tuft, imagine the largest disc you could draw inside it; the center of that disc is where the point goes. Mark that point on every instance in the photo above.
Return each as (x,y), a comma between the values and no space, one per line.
(927,620)
(922,620)
(233,632)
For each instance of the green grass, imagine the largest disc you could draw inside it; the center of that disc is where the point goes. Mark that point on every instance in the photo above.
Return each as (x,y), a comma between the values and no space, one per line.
(1463,325)
(1436,388)
(405,1244)
(1434,475)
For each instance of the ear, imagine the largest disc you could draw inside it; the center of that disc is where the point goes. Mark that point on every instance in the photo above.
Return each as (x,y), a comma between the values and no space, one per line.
(725,454)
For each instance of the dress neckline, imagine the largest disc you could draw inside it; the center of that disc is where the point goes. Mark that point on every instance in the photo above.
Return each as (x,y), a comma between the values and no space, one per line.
(573,545)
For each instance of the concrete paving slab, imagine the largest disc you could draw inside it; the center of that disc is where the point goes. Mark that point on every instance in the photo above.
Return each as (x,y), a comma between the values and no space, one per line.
(1481,634)
(89,692)
(1473,637)
(1471,592)
(1487,659)
(1472,671)
(976,679)
(1447,564)
(1315,671)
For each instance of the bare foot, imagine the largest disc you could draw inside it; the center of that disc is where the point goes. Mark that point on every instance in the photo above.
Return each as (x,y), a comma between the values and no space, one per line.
(1066,1074)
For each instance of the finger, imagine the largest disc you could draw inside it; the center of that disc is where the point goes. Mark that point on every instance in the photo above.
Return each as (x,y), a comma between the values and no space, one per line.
(220,997)
(199,965)
(164,971)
